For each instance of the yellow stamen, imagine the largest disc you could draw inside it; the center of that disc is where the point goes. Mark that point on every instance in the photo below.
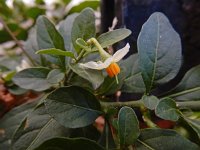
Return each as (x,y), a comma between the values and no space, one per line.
(113,70)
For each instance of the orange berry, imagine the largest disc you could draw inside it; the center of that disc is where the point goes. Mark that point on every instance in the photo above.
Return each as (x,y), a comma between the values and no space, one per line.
(113,69)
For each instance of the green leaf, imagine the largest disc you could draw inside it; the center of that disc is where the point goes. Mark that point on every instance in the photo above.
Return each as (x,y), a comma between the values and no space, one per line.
(128,126)
(11,121)
(150,101)
(159,48)
(37,128)
(82,44)
(94,76)
(65,28)
(49,37)
(189,87)
(94,4)
(166,109)
(55,76)
(106,139)
(83,27)
(54,51)
(16,90)
(32,78)
(133,83)
(69,144)
(162,139)
(73,106)
(112,37)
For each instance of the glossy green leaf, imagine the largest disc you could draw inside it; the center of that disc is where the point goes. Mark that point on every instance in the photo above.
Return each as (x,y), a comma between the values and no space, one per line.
(133,83)
(55,76)
(11,121)
(83,27)
(128,126)
(16,90)
(35,129)
(65,28)
(69,144)
(73,106)
(166,109)
(150,101)
(189,87)
(112,37)
(54,51)
(94,76)
(49,37)
(162,139)
(32,78)
(159,48)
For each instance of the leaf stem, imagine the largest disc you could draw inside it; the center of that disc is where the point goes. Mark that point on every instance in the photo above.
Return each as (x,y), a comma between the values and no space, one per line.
(145,144)
(194,105)
(16,41)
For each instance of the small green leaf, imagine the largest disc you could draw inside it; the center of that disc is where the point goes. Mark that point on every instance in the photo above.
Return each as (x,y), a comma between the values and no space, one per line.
(80,42)
(159,48)
(33,79)
(94,76)
(166,109)
(128,126)
(73,106)
(54,51)
(49,37)
(55,76)
(16,90)
(150,101)
(83,27)
(69,144)
(163,139)
(189,87)
(112,37)
(37,128)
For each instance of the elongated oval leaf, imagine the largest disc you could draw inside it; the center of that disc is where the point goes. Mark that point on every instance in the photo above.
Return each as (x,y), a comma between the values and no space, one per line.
(35,129)
(159,48)
(54,51)
(128,126)
(112,37)
(162,139)
(189,87)
(73,106)
(83,27)
(69,144)
(166,109)
(32,78)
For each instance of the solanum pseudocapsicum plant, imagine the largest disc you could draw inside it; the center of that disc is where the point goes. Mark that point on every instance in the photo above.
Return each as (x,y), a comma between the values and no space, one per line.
(77,74)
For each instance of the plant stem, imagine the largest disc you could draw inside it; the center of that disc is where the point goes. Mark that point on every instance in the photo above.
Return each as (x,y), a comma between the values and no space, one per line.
(16,41)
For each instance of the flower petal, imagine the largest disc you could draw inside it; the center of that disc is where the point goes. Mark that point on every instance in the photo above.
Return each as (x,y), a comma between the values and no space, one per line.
(121,53)
(98,66)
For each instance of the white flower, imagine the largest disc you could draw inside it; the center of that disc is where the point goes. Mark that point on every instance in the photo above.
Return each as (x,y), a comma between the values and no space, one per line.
(110,64)
(112,59)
